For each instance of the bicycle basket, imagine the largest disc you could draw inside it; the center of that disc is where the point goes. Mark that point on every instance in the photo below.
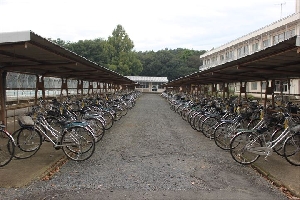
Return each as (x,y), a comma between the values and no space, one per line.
(25,121)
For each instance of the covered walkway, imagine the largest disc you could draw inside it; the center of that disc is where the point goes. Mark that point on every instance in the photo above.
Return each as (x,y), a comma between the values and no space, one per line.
(28,53)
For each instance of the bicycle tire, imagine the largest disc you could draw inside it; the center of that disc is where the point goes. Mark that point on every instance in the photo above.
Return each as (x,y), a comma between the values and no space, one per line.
(124,110)
(208,126)
(223,133)
(7,148)
(189,116)
(109,119)
(28,142)
(185,113)
(78,143)
(118,114)
(279,147)
(198,122)
(98,128)
(194,118)
(291,149)
(239,147)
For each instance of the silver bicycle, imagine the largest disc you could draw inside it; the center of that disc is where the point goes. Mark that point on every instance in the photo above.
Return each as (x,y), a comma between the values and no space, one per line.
(76,139)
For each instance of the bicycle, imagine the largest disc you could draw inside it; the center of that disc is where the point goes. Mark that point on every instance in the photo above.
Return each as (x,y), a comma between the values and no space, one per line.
(291,147)
(76,139)
(248,145)
(7,146)
(225,131)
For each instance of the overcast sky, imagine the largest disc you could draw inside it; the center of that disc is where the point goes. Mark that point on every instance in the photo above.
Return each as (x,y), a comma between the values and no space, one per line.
(150,24)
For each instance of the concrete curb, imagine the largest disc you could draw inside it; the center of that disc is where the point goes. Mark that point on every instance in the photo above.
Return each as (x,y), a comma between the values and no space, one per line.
(275,181)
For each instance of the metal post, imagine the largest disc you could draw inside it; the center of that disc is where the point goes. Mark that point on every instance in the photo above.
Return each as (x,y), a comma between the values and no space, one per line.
(3,96)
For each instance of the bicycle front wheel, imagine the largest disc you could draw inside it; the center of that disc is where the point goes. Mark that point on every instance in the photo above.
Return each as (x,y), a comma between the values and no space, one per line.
(28,142)
(78,143)
(292,149)
(242,147)
(7,149)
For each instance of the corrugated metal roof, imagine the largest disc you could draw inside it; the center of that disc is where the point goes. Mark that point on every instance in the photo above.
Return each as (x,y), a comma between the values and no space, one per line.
(27,52)
(280,61)
(148,79)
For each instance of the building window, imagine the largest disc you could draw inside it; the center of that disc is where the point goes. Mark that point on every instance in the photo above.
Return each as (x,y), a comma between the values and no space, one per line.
(229,55)
(264,85)
(240,52)
(221,57)
(281,37)
(237,87)
(255,47)
(253,85)
(266,43)
(290,33)
(143,85)
(284,86)
(278,38)
(246,50)
(213,60)
(275,39)
(207,61)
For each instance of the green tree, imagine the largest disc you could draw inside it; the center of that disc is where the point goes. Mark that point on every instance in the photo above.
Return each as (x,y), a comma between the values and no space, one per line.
(91,49)
(170,63)
(120,55)
(59,41)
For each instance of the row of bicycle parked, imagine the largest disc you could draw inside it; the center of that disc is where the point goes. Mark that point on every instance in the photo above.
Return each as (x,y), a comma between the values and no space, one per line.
(246,129)
(74,125)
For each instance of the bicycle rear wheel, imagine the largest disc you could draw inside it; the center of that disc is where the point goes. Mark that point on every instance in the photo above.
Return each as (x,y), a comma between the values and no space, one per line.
(292,149)
(78,143)
(7,148)
(242,146)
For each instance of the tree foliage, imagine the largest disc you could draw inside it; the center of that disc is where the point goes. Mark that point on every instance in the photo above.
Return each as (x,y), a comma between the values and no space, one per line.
(170,63)
(117,54)
(121,57)
(93,50)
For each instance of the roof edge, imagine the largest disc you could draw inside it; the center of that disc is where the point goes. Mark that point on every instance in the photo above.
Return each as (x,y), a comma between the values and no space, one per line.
(20,36)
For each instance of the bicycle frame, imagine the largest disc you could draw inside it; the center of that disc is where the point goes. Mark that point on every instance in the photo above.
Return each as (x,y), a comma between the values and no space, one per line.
(42,125)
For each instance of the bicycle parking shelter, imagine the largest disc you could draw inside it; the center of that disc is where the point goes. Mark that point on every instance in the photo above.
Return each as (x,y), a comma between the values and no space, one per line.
(28,53)
(278,62)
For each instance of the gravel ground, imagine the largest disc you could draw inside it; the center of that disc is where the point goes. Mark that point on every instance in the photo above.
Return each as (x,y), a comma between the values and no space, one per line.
(151,153)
